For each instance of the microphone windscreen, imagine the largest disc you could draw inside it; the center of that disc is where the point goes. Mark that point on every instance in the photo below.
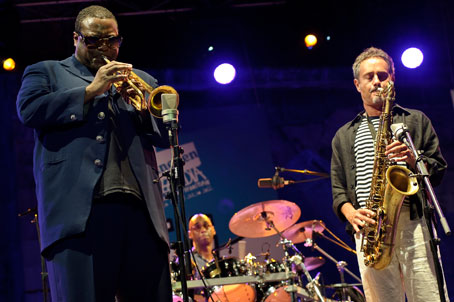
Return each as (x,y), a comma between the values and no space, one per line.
(265,183)
(169,101)
(398,130)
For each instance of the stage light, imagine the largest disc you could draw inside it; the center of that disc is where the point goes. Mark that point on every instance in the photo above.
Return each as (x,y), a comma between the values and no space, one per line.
(310,41)
(224,73)
(210,48)
(412,57)
(9,64)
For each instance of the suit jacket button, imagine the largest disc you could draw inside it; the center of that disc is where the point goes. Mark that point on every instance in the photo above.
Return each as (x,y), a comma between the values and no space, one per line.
(101,115)
(98,163)
(99,138)
(73,117)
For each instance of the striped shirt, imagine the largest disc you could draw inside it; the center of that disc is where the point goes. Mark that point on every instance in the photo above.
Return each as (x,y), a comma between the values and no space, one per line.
(364,149)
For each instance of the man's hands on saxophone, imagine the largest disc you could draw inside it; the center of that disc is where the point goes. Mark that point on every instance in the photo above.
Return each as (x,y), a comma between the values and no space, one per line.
(357,217)
(398,151)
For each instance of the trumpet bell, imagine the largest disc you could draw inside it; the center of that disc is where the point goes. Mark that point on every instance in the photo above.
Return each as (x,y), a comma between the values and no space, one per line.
(154,103)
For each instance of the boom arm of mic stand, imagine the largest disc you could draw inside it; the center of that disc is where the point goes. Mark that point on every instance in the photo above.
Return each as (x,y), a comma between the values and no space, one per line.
(321,174)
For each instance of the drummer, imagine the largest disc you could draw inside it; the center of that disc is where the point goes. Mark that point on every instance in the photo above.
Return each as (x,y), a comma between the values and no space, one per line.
(202,232)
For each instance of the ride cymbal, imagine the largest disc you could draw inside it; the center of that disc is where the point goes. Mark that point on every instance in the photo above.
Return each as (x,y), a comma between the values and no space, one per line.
(300,232)
(263,218)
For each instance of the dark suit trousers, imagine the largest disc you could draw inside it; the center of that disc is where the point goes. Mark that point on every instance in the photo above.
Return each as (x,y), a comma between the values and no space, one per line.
(119,255)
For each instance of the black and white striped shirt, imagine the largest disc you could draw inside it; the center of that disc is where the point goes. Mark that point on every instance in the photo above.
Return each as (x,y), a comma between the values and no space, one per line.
(364,149)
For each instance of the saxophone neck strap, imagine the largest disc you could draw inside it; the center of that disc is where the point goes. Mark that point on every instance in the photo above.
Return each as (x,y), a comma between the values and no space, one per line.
(371,127)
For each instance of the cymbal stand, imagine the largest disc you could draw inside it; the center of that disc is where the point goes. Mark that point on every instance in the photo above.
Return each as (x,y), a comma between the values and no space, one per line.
(287,244)
(340,264)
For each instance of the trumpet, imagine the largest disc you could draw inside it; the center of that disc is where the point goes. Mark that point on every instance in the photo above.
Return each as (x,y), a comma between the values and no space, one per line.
(146,98)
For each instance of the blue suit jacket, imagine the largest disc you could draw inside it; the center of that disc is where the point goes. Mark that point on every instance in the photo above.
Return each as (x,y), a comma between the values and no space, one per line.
(71,141)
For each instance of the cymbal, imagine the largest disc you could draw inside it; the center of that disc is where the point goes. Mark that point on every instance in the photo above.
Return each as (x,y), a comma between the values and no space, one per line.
(310,263)
(300,232)
(313,262)
(257,220)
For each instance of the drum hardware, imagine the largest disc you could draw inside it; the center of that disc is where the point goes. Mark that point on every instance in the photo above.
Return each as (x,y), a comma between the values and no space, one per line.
(210,282)
(310,236)
(341,265)
(313,262)
(268,218)
(297,261)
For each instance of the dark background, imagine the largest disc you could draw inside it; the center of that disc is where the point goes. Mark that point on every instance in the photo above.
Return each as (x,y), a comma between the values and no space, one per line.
(304,95)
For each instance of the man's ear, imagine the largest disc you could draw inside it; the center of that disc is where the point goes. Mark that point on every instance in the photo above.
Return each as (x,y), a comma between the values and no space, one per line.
(75,37)
(356,82)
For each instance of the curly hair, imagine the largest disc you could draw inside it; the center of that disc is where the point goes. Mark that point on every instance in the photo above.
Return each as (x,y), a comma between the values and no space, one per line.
(93,11)
(372,52)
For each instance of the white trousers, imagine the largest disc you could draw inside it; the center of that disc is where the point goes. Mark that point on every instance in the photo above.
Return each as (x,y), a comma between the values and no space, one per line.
(411,271)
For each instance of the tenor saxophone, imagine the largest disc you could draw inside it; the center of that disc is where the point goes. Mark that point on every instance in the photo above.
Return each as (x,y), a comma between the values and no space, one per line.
(389,186)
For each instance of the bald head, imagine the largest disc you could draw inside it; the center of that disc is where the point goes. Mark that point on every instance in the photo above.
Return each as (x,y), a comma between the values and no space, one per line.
(201,230)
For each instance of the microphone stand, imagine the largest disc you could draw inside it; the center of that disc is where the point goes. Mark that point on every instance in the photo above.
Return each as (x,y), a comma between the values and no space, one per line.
(44,274)
(430,201)
(176,179)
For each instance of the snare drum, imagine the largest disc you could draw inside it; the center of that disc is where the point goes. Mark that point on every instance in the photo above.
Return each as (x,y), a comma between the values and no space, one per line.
(229,267)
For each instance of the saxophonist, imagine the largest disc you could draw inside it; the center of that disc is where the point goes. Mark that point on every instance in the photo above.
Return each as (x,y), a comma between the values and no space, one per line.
(103,229)
(411,273)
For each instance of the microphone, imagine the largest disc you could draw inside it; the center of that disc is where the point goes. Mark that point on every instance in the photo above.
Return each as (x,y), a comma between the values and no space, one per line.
(169,107)
(400,132)
(276,182)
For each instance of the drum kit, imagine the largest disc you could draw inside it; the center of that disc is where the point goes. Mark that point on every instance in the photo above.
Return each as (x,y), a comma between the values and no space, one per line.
(248,280)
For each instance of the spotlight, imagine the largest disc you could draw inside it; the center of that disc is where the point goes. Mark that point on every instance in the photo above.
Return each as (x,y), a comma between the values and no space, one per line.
(224,73)
(310,41)
(9,64)
(412,57)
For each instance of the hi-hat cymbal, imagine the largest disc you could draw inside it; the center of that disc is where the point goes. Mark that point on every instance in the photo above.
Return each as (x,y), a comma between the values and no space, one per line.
(257,220)
(300,232)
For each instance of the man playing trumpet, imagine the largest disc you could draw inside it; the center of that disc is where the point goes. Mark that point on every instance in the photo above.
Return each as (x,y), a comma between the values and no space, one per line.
(103,229)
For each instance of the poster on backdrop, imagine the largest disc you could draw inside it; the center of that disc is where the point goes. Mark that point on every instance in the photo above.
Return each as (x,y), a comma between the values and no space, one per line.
(196,181)
(223,162)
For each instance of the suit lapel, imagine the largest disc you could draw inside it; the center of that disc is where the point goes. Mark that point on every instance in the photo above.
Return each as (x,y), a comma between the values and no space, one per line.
(73,66)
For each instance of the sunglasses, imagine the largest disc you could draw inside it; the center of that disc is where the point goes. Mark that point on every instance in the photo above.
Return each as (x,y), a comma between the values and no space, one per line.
(93,42)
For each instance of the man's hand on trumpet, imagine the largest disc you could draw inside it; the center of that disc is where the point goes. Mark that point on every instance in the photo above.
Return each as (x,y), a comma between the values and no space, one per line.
(105,76)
